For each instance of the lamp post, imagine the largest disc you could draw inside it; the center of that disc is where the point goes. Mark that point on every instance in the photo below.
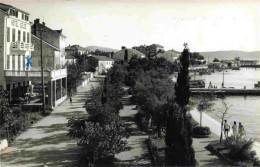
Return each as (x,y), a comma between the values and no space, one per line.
(223,77)
(42,76)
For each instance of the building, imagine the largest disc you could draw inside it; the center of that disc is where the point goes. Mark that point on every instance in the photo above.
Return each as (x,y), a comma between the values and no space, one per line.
(104,63)
(248,62)
(54,38)
(15,50)
(73,50)
(53,50)
(170,55)
(151,50)
(126,54)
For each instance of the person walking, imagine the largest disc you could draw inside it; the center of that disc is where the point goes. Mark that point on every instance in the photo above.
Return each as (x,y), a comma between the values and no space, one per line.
(241,130)
(234,128)
(226,128)
(71,98)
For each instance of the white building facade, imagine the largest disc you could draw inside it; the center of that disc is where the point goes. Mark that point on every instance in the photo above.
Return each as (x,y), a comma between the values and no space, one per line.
(15,48)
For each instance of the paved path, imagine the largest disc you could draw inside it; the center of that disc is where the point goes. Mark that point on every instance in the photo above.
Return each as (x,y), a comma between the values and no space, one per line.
(46,140)
(201,153)
(137,152)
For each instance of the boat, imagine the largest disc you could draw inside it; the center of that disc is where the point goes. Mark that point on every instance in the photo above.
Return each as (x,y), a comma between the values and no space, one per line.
(257,85)
(197,84)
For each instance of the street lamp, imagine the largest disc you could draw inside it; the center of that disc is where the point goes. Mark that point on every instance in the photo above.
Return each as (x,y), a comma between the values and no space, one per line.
(223,77)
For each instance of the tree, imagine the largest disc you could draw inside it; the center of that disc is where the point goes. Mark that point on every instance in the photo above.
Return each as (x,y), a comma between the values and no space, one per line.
(4,105)
(223,114)
(179,150)
(204,104)
(216,60)
(182,87)
(99,142)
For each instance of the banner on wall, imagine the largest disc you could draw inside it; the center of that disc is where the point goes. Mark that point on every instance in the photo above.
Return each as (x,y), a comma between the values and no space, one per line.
(28,62)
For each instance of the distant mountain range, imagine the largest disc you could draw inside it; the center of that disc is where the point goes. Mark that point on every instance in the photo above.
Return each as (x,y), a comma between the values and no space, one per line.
(104,49)
(227,55)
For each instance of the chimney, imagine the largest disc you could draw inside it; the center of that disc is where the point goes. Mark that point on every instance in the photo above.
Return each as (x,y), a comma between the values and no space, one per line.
(43,23)
(36,21)
(123,47)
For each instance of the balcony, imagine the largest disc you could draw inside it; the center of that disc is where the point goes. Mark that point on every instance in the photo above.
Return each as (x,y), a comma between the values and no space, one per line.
(22,46)
(49,75)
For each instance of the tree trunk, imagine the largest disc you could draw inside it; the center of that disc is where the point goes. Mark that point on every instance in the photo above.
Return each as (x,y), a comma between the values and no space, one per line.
(200,118)
(221,131)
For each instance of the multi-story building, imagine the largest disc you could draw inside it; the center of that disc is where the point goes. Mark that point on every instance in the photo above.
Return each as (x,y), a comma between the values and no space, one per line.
(151,50)
(73,50)
(18,72)
(125,54)
(53,50)
(54,39)
(104,63)
(15,49)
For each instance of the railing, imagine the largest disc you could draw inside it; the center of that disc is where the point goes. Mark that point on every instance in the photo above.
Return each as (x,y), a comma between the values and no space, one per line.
(58,73)
(22,46)
(52,74)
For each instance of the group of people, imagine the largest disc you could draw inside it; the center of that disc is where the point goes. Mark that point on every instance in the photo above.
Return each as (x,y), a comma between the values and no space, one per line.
(237,130)
(212,86)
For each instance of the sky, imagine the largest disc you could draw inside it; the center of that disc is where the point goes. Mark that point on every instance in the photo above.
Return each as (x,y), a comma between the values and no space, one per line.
(205,25)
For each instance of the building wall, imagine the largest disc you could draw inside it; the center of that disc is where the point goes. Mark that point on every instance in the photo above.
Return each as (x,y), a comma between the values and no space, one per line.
(2,46)
(48,55)
(13,59)
(103,66)
(49,36)
(52,37)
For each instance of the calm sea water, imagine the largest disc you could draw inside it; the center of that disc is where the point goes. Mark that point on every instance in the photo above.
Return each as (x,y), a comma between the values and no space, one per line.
(244,109)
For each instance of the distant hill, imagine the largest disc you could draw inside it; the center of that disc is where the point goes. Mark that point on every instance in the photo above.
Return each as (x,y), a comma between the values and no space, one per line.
(227,55)
(104,49)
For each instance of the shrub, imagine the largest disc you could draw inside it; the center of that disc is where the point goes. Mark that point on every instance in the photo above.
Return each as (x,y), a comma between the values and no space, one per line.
(201,131)
(240,148)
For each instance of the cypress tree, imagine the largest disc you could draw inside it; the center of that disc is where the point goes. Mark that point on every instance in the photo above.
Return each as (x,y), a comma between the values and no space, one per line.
(179,150)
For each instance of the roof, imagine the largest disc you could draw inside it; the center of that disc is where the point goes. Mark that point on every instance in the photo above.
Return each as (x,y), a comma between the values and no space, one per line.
(55,48)
(131,52)
(75,47)
(157,45)
(103,58)
(6,7)
(169,55)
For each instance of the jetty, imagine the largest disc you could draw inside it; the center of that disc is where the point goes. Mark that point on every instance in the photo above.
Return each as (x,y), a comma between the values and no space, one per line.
(225,91)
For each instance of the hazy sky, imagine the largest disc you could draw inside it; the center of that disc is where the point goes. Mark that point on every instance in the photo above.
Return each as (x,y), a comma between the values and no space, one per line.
(204,25)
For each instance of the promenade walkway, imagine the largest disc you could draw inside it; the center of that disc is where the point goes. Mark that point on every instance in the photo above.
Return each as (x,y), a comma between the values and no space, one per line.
(137,153)
(215,128)
(46,140)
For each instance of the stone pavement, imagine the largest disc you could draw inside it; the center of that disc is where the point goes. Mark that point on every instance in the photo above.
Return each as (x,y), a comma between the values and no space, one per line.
(136,153)
(46,140)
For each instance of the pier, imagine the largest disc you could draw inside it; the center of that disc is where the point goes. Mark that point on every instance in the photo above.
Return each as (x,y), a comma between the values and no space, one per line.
(225,91)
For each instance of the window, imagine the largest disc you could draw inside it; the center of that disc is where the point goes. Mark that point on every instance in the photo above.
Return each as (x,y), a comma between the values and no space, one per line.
(23,62)
(28,37)
(24,36)
(8,62)
(23,16)
(19,35)
(19,62)
(8,34)
(13,62)
(13,35)
(26,18)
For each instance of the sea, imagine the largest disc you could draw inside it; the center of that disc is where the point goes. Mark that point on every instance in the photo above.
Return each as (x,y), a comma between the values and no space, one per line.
(244,109)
